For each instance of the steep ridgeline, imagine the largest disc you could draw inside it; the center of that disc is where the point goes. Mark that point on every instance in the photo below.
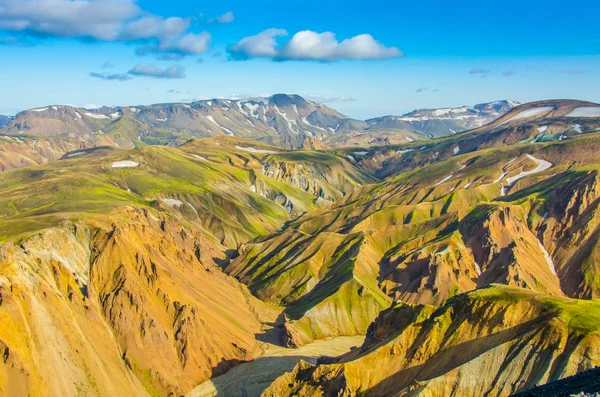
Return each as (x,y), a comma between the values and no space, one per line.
(490,342)
(544,121)
(283,120)
(523,215)
(110,279)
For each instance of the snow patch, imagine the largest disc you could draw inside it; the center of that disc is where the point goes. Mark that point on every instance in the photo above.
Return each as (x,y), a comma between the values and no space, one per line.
(548,258)
(39,110)
(125,164)
(255,150)
(530,113)
(361,153)
(351,158)
(289,122)
(96,116)
(447,178)
(542,128)
(219,125)
(477,268)
(541,165)
(585,111)
(405,151)
(456,150)
(172,202)
(200,157)
(577,128)
(501,177)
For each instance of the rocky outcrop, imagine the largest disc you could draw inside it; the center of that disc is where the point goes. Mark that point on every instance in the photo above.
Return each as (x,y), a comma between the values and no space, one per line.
(133,306)
(493,341)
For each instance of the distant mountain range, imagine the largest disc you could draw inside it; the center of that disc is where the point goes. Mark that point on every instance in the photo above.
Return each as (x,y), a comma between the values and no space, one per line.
(288,121)
(4,120)
(444,121)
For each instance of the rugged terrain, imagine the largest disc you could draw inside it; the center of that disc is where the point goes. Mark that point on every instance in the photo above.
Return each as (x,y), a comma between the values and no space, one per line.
(468,263)
(523,215)
(493,341)
(283,120)
(36,136)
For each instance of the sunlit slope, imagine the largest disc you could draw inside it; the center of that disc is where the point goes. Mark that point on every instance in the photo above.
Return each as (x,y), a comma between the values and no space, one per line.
(493,341)
(543,121)
(130,302)
(525,216)
(324,175)
(109,264)
(225,190)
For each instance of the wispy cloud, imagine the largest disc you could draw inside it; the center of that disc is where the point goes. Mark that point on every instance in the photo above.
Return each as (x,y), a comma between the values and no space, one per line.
(111,76)
(173,72)
(573,71)
(483,73)
(426,89)
(228,17)
(107,65)
(17,41)
(508,73)
(169,56)
(330,99)
(189,44)
(311,46)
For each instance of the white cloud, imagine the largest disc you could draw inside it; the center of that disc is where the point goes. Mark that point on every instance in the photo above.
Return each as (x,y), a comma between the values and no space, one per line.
(173,72)
(312,46)
(111,76)
(228,17)
(97,19)
(190,43)
(152,26)
(262,45)
(330,99)
(103,20)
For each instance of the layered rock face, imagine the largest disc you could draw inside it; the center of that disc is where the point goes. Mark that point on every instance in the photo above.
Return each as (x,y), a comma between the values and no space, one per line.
(493,341)
(131,307)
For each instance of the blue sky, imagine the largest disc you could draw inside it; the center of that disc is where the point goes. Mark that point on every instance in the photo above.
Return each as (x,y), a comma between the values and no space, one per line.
(365,59)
